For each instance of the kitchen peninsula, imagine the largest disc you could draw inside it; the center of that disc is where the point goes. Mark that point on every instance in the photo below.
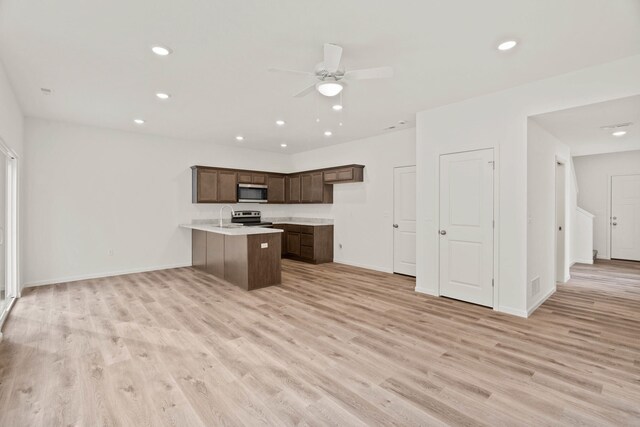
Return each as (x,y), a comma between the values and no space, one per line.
(248,257)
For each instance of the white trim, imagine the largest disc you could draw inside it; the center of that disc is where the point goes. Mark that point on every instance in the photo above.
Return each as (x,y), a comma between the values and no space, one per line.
(535,306)
(5,314)
(426,291)
(583,212)
(366,266)
(101,275)
(511,311)
(582,261)
(12,289)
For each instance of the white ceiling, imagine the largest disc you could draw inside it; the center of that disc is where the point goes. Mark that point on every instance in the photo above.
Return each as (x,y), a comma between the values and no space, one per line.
(581,128)
(95,56)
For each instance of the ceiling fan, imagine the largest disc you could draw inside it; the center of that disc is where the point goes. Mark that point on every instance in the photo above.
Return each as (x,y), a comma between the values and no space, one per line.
(331,77)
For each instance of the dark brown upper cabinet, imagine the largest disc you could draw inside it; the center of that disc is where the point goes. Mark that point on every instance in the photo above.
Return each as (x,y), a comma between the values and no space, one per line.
(312,188)
(248,177)
(276,189)
(351,173)
(293,189)
(227,186)
(204,186)
(219,185)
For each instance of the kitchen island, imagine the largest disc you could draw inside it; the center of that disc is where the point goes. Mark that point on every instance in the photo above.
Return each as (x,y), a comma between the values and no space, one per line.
(248,257)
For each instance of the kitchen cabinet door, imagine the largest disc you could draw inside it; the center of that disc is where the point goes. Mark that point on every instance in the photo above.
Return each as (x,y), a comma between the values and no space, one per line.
(206,188)
(259,178)
(293,191)
(245,177)
(227,187)
(276,189)
(312,188)
(293,243)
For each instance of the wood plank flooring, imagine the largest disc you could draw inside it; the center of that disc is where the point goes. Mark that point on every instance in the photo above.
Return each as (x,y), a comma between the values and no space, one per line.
(334,345)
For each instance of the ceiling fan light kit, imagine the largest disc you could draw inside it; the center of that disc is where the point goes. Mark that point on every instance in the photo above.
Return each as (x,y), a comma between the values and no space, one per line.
(329,88)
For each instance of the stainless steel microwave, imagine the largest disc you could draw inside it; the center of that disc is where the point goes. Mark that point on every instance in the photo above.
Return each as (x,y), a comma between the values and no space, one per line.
(252,193)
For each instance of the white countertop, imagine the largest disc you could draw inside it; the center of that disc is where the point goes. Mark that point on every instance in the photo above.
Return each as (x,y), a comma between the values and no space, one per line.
(231,231)
(301,222)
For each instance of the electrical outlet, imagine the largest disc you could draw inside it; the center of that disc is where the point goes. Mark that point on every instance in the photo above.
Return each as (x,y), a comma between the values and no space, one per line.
(264,245)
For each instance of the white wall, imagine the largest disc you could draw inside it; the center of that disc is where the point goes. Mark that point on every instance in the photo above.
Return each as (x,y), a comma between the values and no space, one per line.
(499,120)
(363,212)
(90,190)
(542,151)
(594,176)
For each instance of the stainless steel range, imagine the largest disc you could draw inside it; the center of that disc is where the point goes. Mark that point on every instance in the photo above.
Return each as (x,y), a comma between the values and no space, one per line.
(249,219)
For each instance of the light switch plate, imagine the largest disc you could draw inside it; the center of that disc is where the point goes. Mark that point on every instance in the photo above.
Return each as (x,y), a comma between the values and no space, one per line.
(264,245)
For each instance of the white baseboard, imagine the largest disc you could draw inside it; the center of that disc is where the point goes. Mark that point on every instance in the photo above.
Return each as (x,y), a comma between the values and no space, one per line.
(583,261)
(427,291)
(368,267)
(100,275)
(511,311)
(535,306)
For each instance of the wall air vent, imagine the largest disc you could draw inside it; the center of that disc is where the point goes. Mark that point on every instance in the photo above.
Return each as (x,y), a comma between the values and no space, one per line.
(616,126)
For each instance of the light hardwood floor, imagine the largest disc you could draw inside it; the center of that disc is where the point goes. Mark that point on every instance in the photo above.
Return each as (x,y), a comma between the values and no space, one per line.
(334,345)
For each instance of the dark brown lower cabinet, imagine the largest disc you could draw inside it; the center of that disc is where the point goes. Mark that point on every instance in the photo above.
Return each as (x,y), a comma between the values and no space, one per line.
(293,243)
(283,235)
(309,243)
(248,261)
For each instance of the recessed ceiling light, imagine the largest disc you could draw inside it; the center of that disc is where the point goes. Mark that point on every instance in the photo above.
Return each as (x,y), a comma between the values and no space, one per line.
(138,121)
(283,145)
(509,44)
(239,138)
(329,88)
(161,50)
(337,107)
(328,133)
(163,95)
(619,133)
(280,122)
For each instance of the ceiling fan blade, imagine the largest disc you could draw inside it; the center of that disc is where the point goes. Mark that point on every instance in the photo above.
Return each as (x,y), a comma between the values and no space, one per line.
(369,73)
(305,91)
(332,57)
(283,70)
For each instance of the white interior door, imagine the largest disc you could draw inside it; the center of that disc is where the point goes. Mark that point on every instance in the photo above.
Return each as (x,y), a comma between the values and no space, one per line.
(466,226)
(404,220)
(625,217)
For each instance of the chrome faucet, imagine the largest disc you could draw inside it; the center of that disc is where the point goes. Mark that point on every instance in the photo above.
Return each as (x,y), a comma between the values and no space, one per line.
(222,208)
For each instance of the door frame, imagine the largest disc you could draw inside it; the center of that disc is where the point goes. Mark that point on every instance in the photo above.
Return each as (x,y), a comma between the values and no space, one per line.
(393,216)
(559,160)
(608,236)
(12,288)
(496,221)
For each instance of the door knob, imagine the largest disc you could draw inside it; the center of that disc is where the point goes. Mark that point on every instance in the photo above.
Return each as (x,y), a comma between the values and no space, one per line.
(395,225)
(443,232)
(615,223)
